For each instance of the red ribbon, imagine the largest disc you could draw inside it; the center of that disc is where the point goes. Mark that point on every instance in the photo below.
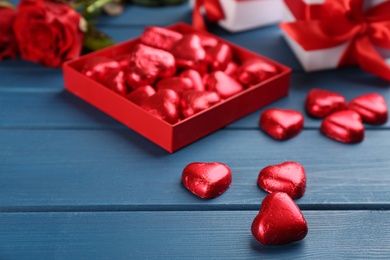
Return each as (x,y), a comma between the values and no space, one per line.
(213,12)
(344,21)
(303,11)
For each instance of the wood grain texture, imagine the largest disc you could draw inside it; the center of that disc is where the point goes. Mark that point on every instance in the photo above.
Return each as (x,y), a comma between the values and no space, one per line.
(187,235)
(43,170)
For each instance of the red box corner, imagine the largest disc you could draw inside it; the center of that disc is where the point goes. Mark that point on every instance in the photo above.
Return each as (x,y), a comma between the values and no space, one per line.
(173,137)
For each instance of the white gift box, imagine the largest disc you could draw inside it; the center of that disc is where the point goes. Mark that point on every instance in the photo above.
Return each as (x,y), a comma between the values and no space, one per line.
(288,16)
(241,15)
(322,59)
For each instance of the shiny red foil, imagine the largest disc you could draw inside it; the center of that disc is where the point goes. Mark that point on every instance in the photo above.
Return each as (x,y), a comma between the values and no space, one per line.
(231,69)
(147,64)
(207,41)
(160,38)
(193,101)
(254,71)
(190,54)
(207,180)
(281,124)
(107,72)
(138,95)
(223,84)
(371,107)
(219,56)
(280,221)
(164,105)
(288,177)
(177,84)
(320,103)
(195,77)
(345,126)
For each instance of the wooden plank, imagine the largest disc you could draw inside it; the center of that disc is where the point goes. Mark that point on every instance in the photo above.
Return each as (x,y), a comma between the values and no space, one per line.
(119,170)
(187,235)
(46,104)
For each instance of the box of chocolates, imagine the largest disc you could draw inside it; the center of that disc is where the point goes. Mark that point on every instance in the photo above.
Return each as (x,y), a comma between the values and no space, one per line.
(240,15)
(175,85)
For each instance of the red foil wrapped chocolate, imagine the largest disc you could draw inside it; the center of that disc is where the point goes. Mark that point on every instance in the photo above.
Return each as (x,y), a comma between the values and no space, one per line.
(288,177)
(190,54)
(371,107)
(281,124)
(138,95)
(254,71)
(320,103)
(223,84)
(207,180)
(160,38)
(279,221)
(195,77)
(164,105)
(219,56)
(194,101)
(177,84)
(345,126)
(147,64)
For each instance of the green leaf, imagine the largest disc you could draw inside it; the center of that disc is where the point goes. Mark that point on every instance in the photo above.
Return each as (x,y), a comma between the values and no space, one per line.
(96,40)
(6,4)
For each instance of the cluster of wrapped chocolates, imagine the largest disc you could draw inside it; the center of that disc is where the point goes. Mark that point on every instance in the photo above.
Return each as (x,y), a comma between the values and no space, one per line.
(279,221)
(174,76)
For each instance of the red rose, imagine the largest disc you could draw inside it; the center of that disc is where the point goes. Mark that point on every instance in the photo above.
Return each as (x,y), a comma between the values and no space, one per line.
(48,32)
(8,45)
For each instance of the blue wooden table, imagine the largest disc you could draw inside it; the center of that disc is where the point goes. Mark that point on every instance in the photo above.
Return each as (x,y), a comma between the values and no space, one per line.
(76,184)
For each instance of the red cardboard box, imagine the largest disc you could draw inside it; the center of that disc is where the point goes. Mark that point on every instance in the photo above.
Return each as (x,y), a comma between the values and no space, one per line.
(168,136)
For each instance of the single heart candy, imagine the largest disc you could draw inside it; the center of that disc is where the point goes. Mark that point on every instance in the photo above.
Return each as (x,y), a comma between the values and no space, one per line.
(288,177)
(115,80)
(138,95)
(207,180)
(160,38)
(177,84)
(345,126)
(281,124)
(147,64)
(219,56)
(223,84)
(320,103)
(254,71)
(194,101)
(279,221)
(164,105)
(195,77)
(231,69)
(371,107)
(189,53)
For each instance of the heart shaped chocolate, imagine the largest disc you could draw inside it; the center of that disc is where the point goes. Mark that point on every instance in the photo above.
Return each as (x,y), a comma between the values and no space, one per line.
(288,177)
(219,56)
(138,95)
(281,124)
(177,84)
(207,180)
(195,77)
(164,105)
(320,103)
(279,221)
(221,83)
(254,71)
(147,64)
(193,101)
(371,107)
(160,38)
(231,69)
(345,126)
(189,53)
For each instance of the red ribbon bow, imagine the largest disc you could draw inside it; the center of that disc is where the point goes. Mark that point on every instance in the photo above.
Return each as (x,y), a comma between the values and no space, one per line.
(213,12)
(344,21)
